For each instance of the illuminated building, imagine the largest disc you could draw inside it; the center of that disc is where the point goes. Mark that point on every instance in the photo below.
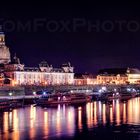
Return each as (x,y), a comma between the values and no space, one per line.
(15,73)
(42,75)
(133,75)
(84,79)
(4,50)
(119,76)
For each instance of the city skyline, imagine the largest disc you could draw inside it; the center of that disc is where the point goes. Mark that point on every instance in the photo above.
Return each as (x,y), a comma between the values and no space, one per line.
(69,71)
(49,33)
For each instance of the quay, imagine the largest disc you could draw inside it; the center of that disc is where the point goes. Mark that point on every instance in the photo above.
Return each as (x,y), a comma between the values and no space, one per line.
(65,88)
(30,92)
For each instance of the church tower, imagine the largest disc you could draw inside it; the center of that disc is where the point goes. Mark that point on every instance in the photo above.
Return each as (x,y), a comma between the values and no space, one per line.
(4,50)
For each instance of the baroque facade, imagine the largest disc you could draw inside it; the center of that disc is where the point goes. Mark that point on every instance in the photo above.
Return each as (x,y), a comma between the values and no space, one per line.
(39,76)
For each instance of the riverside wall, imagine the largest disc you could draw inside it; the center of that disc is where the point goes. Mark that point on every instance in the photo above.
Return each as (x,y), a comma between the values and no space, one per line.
(66,88)
(28,90)
(16,91)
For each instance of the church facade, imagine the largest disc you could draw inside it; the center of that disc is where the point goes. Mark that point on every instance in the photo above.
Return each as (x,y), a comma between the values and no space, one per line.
(17,74)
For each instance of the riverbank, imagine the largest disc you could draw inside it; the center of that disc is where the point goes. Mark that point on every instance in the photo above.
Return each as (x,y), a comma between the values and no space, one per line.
(27,95)
(28,90)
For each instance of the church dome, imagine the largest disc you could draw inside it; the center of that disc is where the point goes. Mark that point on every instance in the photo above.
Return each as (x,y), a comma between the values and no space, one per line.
(4,55)
(4,50)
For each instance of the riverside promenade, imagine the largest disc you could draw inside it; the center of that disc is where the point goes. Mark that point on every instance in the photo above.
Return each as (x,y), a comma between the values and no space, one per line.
(66,88)
(29,91)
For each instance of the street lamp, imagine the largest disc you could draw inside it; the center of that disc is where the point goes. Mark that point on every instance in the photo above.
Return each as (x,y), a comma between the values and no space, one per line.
(34,93)
(10,94)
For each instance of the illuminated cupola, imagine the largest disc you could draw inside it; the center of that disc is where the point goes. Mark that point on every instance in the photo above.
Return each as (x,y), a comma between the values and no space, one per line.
(4,50)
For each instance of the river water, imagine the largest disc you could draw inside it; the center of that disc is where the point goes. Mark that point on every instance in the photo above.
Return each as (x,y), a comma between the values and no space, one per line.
(95,120)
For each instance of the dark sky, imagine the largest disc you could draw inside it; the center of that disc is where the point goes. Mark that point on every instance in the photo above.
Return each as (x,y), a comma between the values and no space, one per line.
(91,37)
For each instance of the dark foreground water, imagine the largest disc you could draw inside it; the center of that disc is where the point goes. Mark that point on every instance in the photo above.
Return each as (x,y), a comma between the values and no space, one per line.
(94,120)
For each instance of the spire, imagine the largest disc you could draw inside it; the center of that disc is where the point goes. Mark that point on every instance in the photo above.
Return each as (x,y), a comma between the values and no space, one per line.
(69,64)
(15,56)
(16,59)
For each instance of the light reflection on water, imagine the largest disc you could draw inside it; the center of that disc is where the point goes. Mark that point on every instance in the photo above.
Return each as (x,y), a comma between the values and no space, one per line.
(36,122)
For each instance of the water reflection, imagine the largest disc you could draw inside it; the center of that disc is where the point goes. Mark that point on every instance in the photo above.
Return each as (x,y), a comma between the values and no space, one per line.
(34,122)
(5,125)
(111,115)
(133,109)
(124,112)
(117,112)
(80,118)
(46,123)
(104,113)
(89,114)
(95,113)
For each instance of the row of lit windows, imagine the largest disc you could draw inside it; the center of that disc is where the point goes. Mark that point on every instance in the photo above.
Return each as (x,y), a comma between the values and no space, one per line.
(43,78)
(112,78)
(39,76)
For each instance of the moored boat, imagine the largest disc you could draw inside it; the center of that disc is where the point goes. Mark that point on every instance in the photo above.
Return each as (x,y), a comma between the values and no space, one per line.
(116,95)
(68,99)
(9,104)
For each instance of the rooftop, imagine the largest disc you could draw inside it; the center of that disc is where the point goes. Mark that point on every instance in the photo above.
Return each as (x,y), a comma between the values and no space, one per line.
(116,71)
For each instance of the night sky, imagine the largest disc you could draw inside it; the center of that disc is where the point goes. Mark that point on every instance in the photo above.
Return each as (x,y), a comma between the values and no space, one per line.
(90,37)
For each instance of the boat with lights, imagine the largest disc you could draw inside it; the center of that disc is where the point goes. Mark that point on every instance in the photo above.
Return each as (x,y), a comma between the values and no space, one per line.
(68,99)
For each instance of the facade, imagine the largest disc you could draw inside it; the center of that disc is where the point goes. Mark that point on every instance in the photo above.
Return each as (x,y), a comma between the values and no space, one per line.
(40,78)
(112,79)
(84,79)
(119,76)
(133,75)
(42,75)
